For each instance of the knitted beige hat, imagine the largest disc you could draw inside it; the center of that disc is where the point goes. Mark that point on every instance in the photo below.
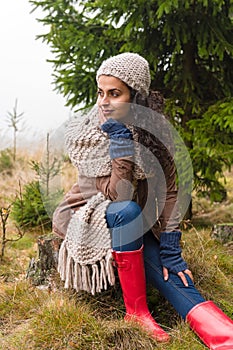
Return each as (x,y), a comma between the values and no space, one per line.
(129,67)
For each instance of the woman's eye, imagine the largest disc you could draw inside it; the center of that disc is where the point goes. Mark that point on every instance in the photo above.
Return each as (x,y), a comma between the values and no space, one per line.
(112,93)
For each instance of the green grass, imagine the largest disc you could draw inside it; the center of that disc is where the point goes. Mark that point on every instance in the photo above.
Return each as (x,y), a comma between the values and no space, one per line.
(39,319)
(25,243)
(32,318)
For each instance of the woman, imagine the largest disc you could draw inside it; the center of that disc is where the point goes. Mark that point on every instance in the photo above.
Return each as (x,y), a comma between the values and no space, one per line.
(125,206)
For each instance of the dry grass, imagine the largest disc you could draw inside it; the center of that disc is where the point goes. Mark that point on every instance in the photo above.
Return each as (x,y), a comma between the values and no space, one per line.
(53,319)
(41,319)
(206,213)
(33,318)
(22,174)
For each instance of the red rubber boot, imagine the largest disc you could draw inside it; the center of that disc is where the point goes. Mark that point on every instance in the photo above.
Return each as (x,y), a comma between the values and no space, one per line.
(211,325)
(130,266)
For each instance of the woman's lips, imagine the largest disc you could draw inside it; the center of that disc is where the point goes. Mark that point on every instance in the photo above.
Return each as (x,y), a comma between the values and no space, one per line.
(107,111)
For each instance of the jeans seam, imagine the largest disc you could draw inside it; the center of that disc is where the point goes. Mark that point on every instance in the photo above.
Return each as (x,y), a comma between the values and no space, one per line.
(170,281)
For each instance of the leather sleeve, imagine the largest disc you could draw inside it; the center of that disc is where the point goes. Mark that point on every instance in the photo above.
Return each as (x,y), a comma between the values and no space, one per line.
(118,186)
(166,193)
(62,214)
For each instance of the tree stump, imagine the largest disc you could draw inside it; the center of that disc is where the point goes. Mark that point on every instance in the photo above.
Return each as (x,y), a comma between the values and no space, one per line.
(41,268)
(223,233)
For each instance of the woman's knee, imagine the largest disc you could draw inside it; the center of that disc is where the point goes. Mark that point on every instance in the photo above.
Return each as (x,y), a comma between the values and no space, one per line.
(129,209)
(127,227)
(132,210)
(125,214)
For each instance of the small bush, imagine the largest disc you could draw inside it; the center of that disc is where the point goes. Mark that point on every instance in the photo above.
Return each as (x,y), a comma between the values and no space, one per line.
(6,162)
(28,208)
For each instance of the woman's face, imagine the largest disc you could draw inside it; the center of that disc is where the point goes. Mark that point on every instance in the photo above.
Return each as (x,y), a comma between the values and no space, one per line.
(113,97)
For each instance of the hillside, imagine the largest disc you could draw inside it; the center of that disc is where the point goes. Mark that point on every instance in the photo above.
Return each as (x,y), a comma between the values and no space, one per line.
(51,318)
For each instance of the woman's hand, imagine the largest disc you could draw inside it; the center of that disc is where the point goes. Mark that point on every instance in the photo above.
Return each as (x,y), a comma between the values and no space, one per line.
(121,138)
(181,274)
(171,258)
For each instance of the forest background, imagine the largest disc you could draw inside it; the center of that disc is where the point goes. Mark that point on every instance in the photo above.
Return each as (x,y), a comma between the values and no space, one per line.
(189,45)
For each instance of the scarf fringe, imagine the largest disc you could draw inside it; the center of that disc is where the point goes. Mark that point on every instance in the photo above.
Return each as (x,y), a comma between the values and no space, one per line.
(89,278)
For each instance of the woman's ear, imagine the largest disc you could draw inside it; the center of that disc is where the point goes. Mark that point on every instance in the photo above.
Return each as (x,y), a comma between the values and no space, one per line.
(132,94)
(140,100)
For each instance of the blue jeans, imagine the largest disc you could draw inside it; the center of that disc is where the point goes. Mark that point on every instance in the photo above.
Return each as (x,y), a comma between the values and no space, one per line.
(126,224)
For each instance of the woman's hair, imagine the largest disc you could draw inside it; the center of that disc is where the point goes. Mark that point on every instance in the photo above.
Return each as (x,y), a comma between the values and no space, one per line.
(151,126)
(154,101)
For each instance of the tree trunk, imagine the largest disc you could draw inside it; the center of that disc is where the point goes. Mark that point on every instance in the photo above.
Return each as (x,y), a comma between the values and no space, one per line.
(40,269)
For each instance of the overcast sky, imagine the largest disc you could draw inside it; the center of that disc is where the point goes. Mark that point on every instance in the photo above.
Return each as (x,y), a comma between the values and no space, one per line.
(24,73)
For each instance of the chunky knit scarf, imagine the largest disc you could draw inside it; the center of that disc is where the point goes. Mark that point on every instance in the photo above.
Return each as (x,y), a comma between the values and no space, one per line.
(88,148)
(85,259)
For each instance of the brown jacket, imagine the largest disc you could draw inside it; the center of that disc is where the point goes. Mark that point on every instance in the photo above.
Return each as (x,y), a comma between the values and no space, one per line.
(157,195)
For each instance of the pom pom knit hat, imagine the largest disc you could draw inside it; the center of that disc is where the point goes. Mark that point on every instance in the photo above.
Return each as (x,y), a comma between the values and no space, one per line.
(129,67)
